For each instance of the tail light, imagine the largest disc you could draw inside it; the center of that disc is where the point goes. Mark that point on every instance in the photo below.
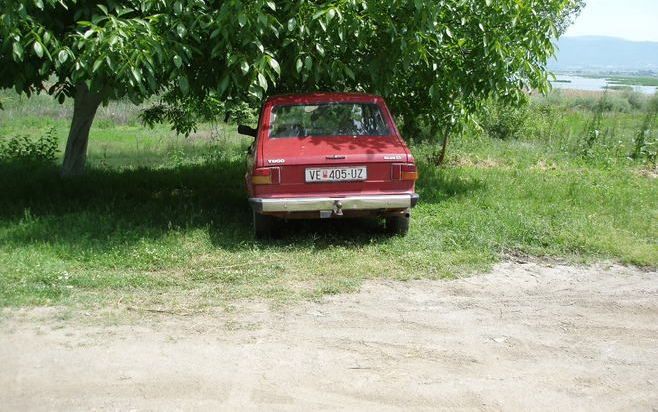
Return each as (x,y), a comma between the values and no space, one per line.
(265,176)
(409,172)
(405,171)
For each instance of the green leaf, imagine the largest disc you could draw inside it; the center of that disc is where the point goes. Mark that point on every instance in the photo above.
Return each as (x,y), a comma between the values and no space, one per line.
(181,30)
(38,49)
(178,7)
(39,4)
(298,65)
(62,56)
(184,85)
(178,61)
(275,66)
(242,19)
(97,64)
(244,66)
(262,82)
(292,23)
(271,5)
(18,51)
(320,49)
(223,85)
(136,74)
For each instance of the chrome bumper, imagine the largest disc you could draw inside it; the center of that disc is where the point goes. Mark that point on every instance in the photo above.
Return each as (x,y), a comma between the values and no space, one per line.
(311,204)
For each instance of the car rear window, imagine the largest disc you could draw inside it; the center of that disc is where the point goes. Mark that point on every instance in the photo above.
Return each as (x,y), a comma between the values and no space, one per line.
(328,119)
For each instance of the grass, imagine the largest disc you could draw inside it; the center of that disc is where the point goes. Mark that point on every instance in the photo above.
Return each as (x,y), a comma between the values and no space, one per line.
(163,221)
(633,80)
(625,79)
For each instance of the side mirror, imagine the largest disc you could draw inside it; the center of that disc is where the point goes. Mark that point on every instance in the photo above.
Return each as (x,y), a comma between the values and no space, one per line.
(246,130)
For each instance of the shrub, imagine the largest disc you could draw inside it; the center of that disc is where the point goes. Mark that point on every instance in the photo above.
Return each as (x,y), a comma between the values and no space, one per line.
(541,120)
(615,103)
(617,100)
(637,100)
(645,144)
(26,150)
(502,121)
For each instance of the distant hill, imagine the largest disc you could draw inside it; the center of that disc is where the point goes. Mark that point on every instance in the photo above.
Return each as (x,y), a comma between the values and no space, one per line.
(610,53)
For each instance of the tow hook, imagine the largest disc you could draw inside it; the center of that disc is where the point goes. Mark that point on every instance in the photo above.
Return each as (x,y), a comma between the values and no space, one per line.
(338,208)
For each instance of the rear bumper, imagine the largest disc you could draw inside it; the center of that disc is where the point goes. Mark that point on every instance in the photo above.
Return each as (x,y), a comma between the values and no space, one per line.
(314,204)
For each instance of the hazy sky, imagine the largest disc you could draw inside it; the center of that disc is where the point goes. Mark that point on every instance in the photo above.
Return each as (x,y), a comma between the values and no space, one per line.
(629,19)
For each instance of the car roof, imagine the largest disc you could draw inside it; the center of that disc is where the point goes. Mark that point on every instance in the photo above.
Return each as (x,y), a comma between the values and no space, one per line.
(323,97)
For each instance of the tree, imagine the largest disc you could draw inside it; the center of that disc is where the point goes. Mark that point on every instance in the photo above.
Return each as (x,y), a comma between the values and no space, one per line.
(89,51)
(434,61)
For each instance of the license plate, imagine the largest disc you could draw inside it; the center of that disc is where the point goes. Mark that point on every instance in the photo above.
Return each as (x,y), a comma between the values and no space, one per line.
(336,174)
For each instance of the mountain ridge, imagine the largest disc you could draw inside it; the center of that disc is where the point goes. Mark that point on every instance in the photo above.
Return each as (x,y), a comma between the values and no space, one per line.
(604,52)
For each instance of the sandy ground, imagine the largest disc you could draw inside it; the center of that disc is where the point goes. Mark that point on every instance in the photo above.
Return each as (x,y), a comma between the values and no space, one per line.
(525,336)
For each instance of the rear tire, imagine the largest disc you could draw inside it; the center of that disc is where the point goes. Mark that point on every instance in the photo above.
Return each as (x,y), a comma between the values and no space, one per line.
(264,226)
(398,225)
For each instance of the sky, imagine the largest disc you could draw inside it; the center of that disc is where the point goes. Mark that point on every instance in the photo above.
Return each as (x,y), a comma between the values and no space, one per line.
(629,19)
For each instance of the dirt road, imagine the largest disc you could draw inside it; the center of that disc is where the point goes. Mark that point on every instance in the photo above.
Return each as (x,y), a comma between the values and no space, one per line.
(525,336)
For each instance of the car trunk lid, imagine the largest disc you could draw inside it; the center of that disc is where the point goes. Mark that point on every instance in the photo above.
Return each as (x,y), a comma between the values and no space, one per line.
(377,153)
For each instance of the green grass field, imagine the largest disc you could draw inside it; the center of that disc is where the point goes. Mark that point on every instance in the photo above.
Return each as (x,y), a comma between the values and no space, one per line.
(162,220)
(627,79)
(633,80)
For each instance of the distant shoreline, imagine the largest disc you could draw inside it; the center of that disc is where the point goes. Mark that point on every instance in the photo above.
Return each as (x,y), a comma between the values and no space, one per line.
(644,83)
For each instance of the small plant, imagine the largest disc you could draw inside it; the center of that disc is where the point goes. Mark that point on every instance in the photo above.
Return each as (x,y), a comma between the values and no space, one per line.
(25,150)
(645,144)
(593,128)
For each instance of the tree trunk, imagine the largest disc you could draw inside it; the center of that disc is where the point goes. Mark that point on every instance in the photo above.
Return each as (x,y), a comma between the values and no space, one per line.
(85,105)
(442,155)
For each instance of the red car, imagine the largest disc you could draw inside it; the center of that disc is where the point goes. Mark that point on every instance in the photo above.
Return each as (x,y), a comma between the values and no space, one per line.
(328,155)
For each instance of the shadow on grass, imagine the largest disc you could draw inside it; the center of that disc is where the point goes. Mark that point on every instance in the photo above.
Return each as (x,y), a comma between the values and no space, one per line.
(107,209)
(437,185)
(110,207)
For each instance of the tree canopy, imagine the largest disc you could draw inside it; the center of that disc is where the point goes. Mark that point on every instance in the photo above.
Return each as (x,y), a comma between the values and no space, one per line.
(432,60)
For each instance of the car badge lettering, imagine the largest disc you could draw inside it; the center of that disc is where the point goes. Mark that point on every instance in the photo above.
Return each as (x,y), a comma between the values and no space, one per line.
(276,161)
(396,157)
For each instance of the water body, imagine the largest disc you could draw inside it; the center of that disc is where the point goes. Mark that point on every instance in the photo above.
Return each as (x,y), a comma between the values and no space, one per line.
(586,83)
